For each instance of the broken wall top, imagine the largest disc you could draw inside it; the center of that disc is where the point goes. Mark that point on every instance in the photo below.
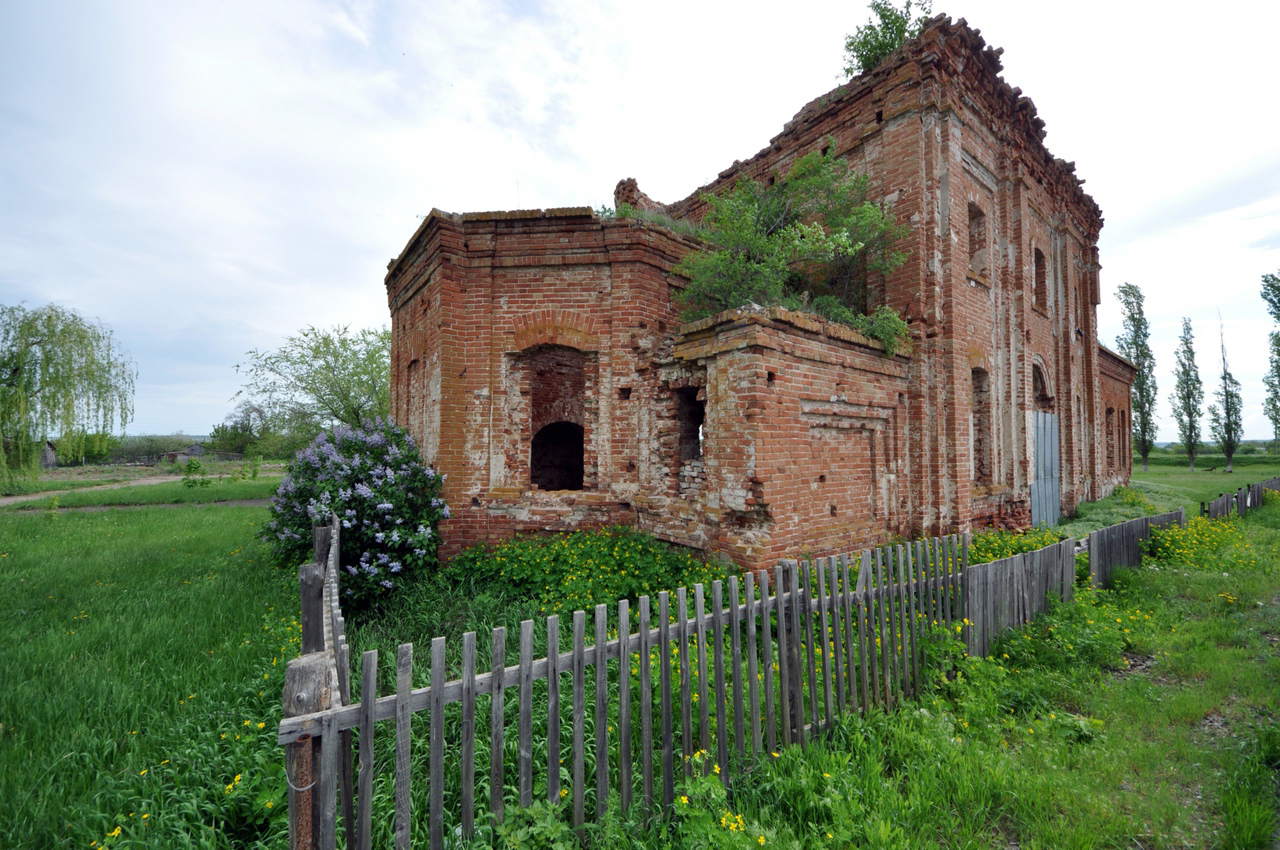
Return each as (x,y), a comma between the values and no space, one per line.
(967,72)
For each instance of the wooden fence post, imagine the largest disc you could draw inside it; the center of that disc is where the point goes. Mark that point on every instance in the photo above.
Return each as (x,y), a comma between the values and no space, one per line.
(320,537)
(308,687)
(311,591)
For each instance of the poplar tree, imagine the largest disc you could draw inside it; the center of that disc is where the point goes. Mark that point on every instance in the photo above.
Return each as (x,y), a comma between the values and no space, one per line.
(1271,405)
(1188,393)
(61,375)
(1134,345)
(1225,421)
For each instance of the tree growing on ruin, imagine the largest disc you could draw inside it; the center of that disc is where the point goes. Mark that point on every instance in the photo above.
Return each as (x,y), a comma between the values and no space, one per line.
(873,41)
(1188,394)
(61,376)
(809,241)
(1225,417)
(1134,345)
(323,376)
(1271,380)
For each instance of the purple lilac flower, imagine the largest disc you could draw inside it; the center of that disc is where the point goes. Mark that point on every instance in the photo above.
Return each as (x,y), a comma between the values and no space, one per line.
(388,585)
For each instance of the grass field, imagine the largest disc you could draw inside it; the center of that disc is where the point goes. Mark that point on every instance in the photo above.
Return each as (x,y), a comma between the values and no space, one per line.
(143,656)
(1175,486)
(169,492)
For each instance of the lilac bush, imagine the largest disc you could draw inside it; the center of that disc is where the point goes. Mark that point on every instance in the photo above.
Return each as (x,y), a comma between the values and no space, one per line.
(388,502)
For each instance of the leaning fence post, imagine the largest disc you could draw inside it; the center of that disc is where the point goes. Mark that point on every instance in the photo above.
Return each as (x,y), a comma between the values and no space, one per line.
(308,687)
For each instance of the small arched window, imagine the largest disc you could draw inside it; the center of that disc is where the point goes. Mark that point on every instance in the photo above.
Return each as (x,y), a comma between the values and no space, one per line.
(555,457)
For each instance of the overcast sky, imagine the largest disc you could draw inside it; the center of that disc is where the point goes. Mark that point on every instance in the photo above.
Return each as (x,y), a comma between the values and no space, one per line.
(210,177)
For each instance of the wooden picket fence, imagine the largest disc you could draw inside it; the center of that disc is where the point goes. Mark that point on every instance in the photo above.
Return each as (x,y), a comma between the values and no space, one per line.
(789,652)
(1240,502)
(1120,545)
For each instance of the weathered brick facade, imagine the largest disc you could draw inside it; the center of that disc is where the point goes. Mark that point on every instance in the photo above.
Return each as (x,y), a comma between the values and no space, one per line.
(538,358)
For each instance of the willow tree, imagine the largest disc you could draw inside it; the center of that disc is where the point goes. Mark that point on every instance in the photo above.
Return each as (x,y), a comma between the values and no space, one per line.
(61,376)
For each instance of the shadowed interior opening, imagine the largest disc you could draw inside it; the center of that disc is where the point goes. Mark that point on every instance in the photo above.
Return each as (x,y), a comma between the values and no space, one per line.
(555,461)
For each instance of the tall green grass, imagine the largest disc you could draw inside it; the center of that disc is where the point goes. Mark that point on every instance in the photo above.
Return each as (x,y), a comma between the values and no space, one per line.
(143,656)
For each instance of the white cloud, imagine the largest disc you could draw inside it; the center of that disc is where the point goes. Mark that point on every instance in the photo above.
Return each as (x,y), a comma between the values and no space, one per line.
(239,170)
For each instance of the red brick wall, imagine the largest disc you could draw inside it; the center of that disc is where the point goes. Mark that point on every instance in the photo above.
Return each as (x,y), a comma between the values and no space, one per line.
(1115,377)
(812,439)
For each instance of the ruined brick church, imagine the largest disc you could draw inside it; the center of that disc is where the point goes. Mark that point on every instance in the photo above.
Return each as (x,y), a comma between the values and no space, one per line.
(539,360)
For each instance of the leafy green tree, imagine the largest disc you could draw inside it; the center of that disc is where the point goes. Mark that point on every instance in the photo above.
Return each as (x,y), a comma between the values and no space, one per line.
(322,377)
(1271,380)
(241,429)
(1188,394)
(807,242)
(1134,345)
(1271,405)
(60,375)
(875,40)
(1226,417)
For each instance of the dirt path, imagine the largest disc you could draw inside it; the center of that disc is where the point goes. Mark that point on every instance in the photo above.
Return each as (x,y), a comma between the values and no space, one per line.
(137,482)
(230,503)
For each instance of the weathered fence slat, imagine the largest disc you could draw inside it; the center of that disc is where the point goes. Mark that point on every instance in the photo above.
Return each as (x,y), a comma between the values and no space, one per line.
(404,684)
(468,744)
(602,708)
(717,657)
(525,732)
(753,665)
(735,664)
(497,717)
(767,607)
(784,656)
(646,705)
(686,682)
(664,680)
(837,642)
(704,708)
(624,704)
(553,709)
(435,804)
(825,637)
(368,689)
(578,670)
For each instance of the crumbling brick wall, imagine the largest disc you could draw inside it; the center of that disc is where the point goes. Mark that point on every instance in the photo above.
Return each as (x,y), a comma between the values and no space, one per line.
(761,434)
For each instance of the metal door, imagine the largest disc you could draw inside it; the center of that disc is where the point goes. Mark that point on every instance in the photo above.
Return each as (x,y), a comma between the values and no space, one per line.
(1046,505)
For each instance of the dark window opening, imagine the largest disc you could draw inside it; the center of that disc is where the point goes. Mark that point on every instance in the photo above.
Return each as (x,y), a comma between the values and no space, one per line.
(691,413)
(769,378)
(1040,390)
(1111,438)
(555,458)
(980,428)
(1041,294)
(624,393)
